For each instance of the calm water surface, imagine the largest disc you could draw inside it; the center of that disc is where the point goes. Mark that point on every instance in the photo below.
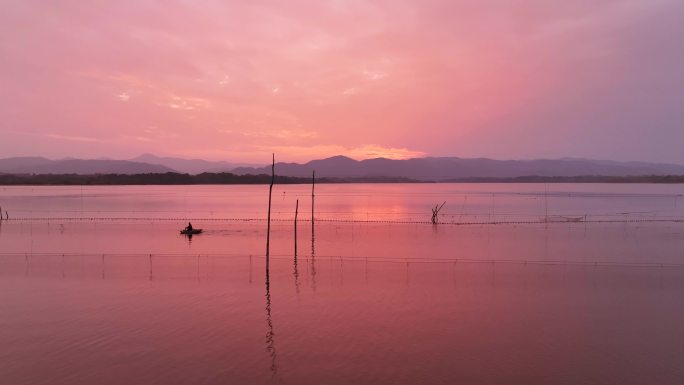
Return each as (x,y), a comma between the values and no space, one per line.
(370,298)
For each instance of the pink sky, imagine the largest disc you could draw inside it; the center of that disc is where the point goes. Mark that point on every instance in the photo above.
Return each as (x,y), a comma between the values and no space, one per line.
(237,80)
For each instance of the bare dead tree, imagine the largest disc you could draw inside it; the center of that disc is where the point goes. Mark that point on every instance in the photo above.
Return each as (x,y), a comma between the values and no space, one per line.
(435,212)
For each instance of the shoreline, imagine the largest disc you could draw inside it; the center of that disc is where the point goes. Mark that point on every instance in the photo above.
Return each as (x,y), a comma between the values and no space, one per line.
(173,179)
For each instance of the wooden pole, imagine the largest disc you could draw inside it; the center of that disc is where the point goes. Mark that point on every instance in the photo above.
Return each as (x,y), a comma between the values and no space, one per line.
(268,229)
(546,203)
(313,185)
(313,249)
(270,344)
(295,228)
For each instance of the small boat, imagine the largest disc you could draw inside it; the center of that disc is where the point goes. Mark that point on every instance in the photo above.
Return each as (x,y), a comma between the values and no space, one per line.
(191,232)
(561,219)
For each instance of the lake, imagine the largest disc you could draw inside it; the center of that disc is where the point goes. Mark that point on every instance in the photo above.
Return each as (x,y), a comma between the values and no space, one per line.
(517,284)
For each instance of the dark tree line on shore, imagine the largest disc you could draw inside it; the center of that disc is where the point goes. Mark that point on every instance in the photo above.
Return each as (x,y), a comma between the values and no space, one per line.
(171,178)
(578,179)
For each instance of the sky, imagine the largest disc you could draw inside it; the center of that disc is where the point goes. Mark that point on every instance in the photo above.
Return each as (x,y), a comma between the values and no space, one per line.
(239,80)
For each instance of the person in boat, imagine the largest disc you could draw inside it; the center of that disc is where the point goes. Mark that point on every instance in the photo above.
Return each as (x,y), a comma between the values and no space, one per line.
(189,228)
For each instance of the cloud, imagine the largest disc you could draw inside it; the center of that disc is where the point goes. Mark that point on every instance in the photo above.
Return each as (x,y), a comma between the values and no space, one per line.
(225,80)
(137,138)
(124,97)
(375,151)
(73,138)
(374,75)
(273,134)
(321,151)
(497,78)
(187,103)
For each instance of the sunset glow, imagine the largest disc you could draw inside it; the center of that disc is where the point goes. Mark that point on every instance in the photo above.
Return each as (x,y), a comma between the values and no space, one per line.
(239,80)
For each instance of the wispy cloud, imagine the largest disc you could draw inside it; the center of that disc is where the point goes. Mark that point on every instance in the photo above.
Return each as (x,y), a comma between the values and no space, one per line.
(225,80)
(187,103)
(375,151)
(73,138)
(289,134)
(374,75)
(321,151)
(124,96)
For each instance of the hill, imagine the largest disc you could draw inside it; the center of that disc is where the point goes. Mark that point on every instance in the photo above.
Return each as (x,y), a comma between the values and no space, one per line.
(38,165)
(190,166)
(449,168)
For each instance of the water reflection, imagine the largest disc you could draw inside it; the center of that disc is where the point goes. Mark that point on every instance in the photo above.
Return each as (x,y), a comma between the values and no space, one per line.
(189,238)
(198,268)
(250,269)
(313,262)
(295,273)
(270,334)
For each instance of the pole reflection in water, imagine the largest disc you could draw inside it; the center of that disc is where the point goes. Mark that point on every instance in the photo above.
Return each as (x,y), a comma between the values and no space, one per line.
(295,273)
(198,268)
(270,334)
(313,263)
(250,269)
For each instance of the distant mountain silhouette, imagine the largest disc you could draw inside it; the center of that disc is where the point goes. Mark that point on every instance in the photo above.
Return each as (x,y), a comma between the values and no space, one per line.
(9,165)
(423,169)
(447,168)
(38,165)
(190,166)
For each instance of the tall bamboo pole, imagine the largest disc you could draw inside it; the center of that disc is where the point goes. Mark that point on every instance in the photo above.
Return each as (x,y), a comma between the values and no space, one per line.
(295,228)
(268,229)
(313,185)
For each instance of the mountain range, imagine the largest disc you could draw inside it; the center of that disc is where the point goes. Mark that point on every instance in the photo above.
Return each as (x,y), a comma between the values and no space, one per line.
(452,168)
(143,164)
(39,165)
(191,166)
(426,169)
